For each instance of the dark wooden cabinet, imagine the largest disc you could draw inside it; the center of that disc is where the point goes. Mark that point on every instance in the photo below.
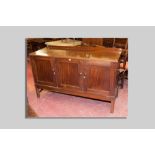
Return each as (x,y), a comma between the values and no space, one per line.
(88,73)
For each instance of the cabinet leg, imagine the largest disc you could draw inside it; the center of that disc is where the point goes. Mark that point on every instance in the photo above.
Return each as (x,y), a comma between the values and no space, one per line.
(112,106)
(37,92)
(122,82)
(117,92)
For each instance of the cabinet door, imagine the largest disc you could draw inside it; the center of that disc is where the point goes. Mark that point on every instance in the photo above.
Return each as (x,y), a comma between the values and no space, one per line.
(97,78)
(69,73)
(44,71)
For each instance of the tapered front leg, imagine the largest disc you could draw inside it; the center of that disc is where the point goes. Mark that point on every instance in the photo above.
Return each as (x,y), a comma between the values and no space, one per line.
(37,92)
(112,106)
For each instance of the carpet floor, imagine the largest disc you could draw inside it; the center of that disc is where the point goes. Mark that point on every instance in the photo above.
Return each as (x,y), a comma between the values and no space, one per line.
(52,104)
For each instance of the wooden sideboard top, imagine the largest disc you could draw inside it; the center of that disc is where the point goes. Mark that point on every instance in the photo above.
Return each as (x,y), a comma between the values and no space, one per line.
(106,54)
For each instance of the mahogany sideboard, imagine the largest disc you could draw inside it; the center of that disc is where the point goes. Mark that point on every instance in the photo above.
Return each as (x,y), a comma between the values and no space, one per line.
(86,72)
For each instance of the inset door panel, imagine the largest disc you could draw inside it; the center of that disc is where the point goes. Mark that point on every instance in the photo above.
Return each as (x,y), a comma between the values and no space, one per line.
(97,78)
(68,73)
(44,70)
